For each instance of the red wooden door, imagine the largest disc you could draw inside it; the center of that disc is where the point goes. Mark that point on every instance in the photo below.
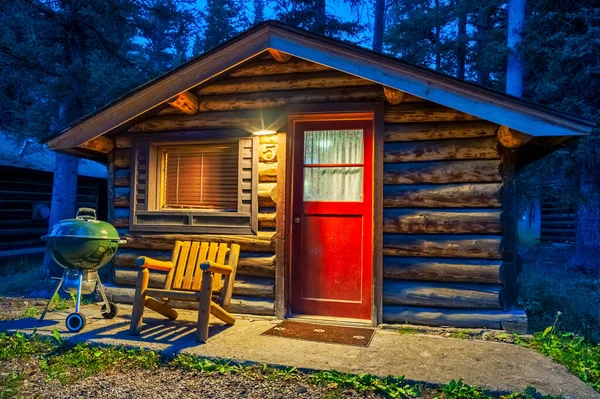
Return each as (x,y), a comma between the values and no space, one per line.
(332,219)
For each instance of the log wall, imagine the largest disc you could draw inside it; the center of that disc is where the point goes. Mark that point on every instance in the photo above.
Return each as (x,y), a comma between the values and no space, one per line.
(442,230)
(442,244)
(23,194)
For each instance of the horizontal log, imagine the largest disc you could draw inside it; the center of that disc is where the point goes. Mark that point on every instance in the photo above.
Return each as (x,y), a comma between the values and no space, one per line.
(393,96)
(122,195)
(446,270)
(266,221)
(454,222)
(438,131)
(274,99)
(446,246)
(185,102)
(270,67)
(511,138)
(101,144)
(316,80)
(267,194)
(473,171)
(259,266)
(122,178)
(267,172)
(429,112)
(439,150)
(260,287)
(262,242)
(122,158)
(452,317)
(444,295)
(247,120)
(279,56)
(486,195)
(239,304)
(124,258)
(120,222)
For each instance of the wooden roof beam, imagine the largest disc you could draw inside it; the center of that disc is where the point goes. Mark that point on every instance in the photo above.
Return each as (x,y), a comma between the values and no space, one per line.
(393,96)
(511,138)
(186,102)
(101,144)
(279,56)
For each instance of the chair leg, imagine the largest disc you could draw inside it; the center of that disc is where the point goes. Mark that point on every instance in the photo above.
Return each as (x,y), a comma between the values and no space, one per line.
(204,307)
(139,300)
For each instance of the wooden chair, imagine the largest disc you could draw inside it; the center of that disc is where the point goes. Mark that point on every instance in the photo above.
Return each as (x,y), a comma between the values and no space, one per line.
(195,271)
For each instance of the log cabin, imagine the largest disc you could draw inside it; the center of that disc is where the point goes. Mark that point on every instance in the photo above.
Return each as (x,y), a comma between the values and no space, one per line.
(26,175)
(359,187)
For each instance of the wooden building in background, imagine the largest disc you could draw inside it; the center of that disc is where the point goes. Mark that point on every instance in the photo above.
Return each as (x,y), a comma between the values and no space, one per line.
(26,175)
(358,186)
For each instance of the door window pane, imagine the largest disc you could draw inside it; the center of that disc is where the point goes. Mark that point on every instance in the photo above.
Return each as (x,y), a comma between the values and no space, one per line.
(333,181)
(333,147)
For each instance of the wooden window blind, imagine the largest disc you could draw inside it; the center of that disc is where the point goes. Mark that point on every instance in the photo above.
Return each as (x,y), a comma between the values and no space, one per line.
(202,177)
(187,186)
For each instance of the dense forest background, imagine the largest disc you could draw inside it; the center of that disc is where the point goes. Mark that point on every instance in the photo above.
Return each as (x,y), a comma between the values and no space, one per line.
(61,59)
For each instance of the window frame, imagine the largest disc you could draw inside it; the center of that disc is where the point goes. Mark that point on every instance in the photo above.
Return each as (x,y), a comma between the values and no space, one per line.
(145,207)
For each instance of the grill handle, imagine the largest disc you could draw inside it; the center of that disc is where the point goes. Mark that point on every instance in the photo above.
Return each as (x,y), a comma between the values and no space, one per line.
(86,213)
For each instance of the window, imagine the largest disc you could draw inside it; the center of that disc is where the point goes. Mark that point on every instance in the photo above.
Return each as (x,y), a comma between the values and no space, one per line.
(196,186)
(200,177)
(333,165)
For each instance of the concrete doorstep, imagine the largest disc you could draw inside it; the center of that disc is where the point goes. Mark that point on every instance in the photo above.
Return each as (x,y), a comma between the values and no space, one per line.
(418,357)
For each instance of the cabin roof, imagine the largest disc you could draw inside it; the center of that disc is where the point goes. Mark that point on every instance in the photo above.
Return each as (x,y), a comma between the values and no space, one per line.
(527,117)
(29,154)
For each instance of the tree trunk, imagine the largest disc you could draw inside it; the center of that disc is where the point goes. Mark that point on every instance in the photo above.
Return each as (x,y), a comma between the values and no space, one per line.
(587,256)
(482,37)
(461,52)
(514,70)
(64,193)
(64,187)
(438,60)
(320,17)
(379,25)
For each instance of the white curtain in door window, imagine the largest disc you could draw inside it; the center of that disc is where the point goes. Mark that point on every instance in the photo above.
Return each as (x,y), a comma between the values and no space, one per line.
(333,147)
(331,182)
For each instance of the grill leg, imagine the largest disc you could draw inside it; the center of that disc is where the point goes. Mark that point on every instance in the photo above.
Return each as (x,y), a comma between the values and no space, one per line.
(78,301)
(60,283)
(102,292)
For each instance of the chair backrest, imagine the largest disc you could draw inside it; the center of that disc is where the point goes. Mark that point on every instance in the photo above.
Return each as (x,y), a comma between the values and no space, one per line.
(187,257)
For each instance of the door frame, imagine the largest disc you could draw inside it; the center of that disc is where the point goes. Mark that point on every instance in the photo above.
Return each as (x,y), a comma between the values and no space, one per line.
(326,112)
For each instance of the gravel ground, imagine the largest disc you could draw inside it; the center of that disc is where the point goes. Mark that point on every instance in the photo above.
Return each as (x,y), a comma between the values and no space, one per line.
(12,308)
(168,383)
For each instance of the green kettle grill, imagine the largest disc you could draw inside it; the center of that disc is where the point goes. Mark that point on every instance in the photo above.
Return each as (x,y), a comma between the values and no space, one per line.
(82,246)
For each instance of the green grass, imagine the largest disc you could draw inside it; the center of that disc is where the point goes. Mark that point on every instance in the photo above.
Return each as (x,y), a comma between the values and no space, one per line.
(406,330)
(461,334)
(67,363)
(579,356)
(10,384)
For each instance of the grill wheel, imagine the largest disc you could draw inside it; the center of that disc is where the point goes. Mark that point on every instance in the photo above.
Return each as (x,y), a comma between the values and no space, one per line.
(75,322)
(112,312)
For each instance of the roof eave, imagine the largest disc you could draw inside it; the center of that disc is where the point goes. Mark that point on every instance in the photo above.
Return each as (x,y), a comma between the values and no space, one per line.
(452,93)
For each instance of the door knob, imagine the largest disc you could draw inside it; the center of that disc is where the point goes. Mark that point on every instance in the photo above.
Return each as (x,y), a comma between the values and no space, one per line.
(297,220)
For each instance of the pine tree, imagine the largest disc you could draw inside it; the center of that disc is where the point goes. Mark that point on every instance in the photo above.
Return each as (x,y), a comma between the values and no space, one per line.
(312,15)
(165,27)
(223,20)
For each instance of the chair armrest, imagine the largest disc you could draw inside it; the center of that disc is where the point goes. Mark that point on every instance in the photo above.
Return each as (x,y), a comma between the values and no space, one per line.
(154,264)
(215,267)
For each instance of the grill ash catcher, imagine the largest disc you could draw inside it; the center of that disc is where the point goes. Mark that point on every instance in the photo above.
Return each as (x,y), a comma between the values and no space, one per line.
(81,246)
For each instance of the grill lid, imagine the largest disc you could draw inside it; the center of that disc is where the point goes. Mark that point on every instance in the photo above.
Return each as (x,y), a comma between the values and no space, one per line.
(85,226)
